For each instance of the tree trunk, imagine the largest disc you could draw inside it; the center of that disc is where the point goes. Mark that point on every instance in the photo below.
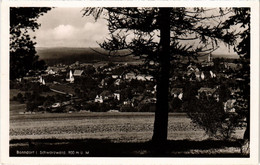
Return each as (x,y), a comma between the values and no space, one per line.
(247,132)
(245,148)
(161,113)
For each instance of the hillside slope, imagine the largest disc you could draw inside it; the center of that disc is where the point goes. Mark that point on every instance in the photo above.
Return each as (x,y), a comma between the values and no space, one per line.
(69,55)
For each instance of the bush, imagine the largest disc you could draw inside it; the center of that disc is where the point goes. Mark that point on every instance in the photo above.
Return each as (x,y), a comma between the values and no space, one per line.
(149,107)
(103,107)
(14,85)
(175,105)
(30,106)
(48,101)
(19,98)
(127,108)
(210,116)
(93,107)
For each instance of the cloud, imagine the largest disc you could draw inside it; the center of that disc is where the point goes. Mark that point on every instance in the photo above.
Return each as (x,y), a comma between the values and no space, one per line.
(71,36)
(65,27)
(92,26)
(63,31)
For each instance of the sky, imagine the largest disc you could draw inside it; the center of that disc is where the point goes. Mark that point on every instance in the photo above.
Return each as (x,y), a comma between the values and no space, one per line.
(66,27)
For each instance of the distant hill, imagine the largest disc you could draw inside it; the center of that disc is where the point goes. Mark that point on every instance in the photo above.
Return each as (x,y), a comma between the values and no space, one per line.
(69,55)
(225,56)
(230,56)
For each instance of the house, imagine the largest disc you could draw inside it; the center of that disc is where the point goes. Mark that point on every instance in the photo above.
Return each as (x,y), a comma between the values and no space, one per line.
(202,76)
(115,76)
(19,79)
(141,77)
(197,75)
(78,73)
(130,76)
(113,110)
(177,92)
(154,89)
(117,82)
(136,100)
(149,78)
(99,99)
(118,73)
(212,74)
(106,95)
(66,103)
(52,70)
(117,96)
(191,68)
(229,106)
(71,77)
(63,70)
(56,105)
(193,73)
(232,66)
(149,100)
(208,91)
(102,84)
(42,81)
(127,102)
(234,91)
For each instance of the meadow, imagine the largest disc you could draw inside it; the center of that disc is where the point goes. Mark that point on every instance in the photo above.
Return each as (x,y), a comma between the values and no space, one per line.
(112,134)
(118,127)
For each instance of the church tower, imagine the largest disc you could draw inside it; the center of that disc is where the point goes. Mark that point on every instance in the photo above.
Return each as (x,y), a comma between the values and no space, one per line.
(210,58)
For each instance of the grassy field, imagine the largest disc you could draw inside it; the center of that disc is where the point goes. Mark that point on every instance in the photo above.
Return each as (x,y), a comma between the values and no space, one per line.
(14,92)
(111,134)
(127,127)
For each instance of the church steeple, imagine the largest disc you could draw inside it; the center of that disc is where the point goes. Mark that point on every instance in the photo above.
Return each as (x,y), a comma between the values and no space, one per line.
(210,57)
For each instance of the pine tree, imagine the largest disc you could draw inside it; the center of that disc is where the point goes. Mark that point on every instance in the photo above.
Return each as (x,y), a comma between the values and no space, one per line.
(22,48)
(241,19)
(162,35)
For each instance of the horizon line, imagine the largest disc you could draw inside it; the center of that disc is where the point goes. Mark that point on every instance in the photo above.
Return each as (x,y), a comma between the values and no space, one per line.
(218,53)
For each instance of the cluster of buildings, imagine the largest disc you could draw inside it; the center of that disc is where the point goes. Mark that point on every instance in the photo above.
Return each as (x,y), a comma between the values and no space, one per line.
(196,73)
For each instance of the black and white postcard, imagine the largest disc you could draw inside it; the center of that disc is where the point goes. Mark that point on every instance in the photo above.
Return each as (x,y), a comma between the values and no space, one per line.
(129,82)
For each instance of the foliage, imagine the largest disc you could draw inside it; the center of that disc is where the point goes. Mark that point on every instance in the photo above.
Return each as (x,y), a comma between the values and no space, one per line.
(160,35)
(242,19)
(148,107)
(31,106)
(22,50)
(19,98)
(176,105)
(29,86)
(144,24)
(209,114)
(190,91)
(90,70)
(127,108)
(224,92)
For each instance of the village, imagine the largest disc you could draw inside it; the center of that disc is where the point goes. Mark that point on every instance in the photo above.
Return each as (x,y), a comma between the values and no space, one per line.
(122,87)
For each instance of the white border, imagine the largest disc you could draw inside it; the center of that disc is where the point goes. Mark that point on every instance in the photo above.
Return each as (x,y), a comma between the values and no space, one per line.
(254,144)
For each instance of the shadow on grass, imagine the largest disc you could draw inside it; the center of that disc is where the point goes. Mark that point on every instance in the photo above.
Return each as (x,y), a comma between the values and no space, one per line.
(106,148)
